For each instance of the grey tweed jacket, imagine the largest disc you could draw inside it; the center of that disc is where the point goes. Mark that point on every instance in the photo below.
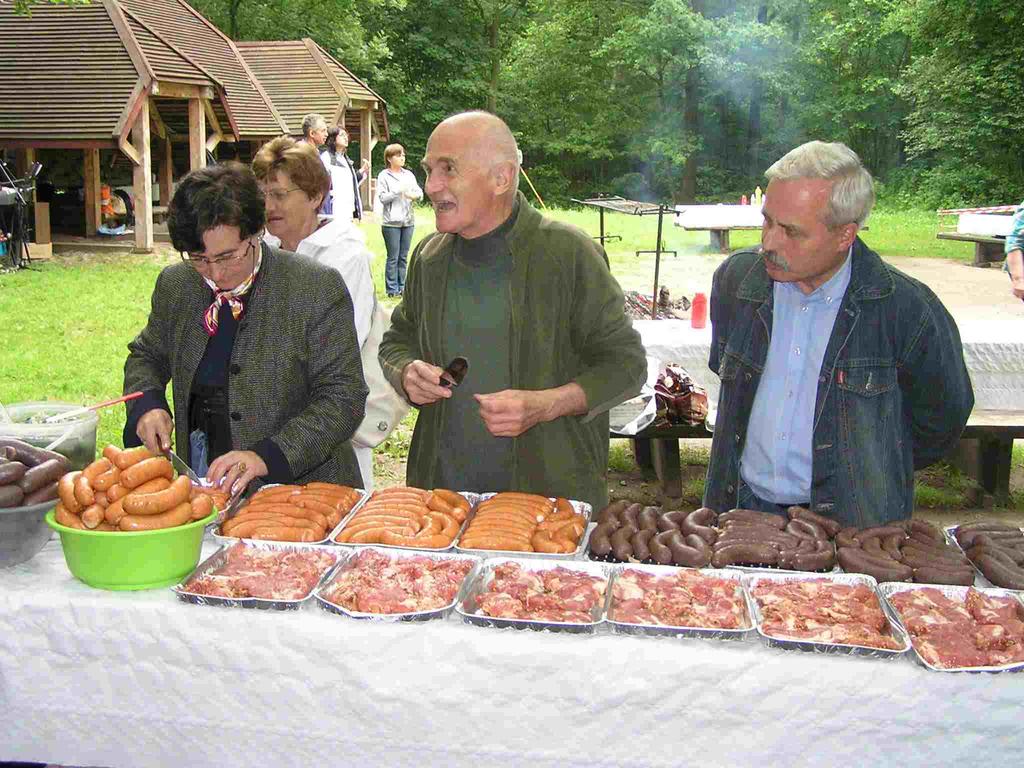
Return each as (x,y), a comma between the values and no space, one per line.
(295,371)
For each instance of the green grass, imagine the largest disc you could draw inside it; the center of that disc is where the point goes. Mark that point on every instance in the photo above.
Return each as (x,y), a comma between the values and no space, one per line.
(67,321)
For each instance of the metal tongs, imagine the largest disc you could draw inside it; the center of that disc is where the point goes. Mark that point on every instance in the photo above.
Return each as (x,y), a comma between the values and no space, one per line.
(454,372)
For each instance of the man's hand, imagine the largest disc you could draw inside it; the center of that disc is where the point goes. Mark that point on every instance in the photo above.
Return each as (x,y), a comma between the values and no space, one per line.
(154,429)
(512,412)
(1015,266)
(233,471)
(422,383)
(364,167)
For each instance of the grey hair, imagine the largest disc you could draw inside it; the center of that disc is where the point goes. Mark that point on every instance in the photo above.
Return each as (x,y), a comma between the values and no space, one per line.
(853,193)
(310,121)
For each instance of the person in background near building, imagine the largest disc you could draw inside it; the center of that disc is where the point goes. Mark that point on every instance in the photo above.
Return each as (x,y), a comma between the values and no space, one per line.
(294,184)
(1014,250)
(531,304)
(840,374)
(314,129)
(345,179)
(396,189)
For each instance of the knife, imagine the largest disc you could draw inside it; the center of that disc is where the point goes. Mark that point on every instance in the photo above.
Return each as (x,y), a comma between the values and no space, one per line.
(183,469)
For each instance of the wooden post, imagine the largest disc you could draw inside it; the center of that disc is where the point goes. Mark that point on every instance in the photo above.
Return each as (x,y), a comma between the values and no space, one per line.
(42,223)
(196,134)
(91,183)
(166,174)
(365,148)
(142,182)
(23,161)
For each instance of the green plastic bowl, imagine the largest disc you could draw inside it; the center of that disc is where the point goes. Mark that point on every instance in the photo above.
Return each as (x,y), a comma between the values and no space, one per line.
(123,560)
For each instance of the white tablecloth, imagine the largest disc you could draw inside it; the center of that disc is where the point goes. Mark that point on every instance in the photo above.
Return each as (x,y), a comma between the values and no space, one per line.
(140,679)
(993,352)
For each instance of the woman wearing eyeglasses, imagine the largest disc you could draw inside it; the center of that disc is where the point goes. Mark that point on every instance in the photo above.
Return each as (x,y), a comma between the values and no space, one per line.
(259,346)
(295,183)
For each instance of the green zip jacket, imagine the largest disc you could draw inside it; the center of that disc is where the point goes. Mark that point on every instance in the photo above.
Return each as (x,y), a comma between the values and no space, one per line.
(568,325)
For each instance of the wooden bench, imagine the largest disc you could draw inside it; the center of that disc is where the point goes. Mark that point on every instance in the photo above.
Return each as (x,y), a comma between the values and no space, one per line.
(985,453)
(987,249)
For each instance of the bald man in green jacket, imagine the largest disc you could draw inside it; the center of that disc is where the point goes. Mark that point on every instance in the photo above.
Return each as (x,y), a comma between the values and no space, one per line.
(533,307)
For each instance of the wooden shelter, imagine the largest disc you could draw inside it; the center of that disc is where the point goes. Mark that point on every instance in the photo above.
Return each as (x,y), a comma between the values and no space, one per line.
(301,77)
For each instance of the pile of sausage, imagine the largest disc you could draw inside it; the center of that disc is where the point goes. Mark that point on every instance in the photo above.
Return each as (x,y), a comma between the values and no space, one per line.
(302,513)
(129,490)
(28,475)
(407,517)
(905,550)
(997,549)
(630,533)
(524,522)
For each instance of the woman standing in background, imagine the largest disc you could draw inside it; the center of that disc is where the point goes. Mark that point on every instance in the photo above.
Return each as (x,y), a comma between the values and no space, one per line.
(396,189)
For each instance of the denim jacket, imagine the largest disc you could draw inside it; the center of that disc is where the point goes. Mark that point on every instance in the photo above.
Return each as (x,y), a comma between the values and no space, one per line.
(893,391)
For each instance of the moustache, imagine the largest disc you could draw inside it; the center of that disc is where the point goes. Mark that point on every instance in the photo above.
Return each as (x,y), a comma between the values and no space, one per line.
(774,258)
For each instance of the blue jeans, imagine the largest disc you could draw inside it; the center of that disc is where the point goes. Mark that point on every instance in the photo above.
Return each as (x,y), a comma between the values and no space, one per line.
(397,240)
(747,499)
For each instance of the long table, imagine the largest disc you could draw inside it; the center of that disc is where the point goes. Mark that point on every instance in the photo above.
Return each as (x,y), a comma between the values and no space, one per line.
(141,679)
(994,355)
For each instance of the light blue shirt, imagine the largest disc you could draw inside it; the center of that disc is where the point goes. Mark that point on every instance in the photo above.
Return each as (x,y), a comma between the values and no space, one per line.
(776,460)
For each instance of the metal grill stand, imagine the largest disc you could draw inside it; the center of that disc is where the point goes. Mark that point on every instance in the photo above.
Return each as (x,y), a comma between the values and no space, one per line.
(634,208)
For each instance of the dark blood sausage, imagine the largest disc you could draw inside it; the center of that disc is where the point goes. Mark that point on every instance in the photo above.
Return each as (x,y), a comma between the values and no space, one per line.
(805,529)
(659,548)
(996,553)
(600,541)
(744,552)
(40,475)
(891,545)
(629,515)
(752,516)
(690,552)
(935,553)
(622,547)
(879,531)
(999,573)
(847,538)
(932,575)
(10,496)
(827,524)
(31,456)
(46,493)
(11,471)
(880,568)
(640,542)
(612,511)
(648,519)
(982,525)
(758,534)
(925,529)
(820,557)
(698,523)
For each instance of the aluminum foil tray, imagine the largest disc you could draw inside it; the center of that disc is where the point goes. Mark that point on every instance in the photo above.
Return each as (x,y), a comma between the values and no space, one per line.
(956,593)
(581,508)
(751,580)
(468,495)
(980,579)
(327,539)
(399,553)
(484,575)
(662,630)
(219,557)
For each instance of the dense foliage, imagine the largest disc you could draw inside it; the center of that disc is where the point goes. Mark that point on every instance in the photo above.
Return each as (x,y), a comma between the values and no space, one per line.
(692,99)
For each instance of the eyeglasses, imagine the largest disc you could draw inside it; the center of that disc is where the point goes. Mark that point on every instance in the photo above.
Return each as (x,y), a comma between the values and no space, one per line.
(278,195)
(203,261)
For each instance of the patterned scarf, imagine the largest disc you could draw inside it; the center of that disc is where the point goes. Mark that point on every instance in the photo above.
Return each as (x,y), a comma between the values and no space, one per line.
(211,317)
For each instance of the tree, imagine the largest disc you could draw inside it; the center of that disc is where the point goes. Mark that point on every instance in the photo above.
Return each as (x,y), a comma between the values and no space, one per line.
(24,7)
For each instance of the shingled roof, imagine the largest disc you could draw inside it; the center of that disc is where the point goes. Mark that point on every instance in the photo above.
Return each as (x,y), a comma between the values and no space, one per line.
(301,77)
(75,74)
(251,112)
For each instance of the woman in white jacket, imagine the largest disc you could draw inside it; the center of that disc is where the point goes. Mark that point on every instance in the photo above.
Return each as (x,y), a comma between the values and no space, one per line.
(294,184)
(396,189)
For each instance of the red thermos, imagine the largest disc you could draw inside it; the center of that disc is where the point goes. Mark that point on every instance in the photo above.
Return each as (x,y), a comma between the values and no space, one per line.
(699,311)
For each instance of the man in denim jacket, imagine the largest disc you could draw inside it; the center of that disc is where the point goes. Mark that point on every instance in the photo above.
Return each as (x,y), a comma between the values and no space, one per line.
(840,374)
